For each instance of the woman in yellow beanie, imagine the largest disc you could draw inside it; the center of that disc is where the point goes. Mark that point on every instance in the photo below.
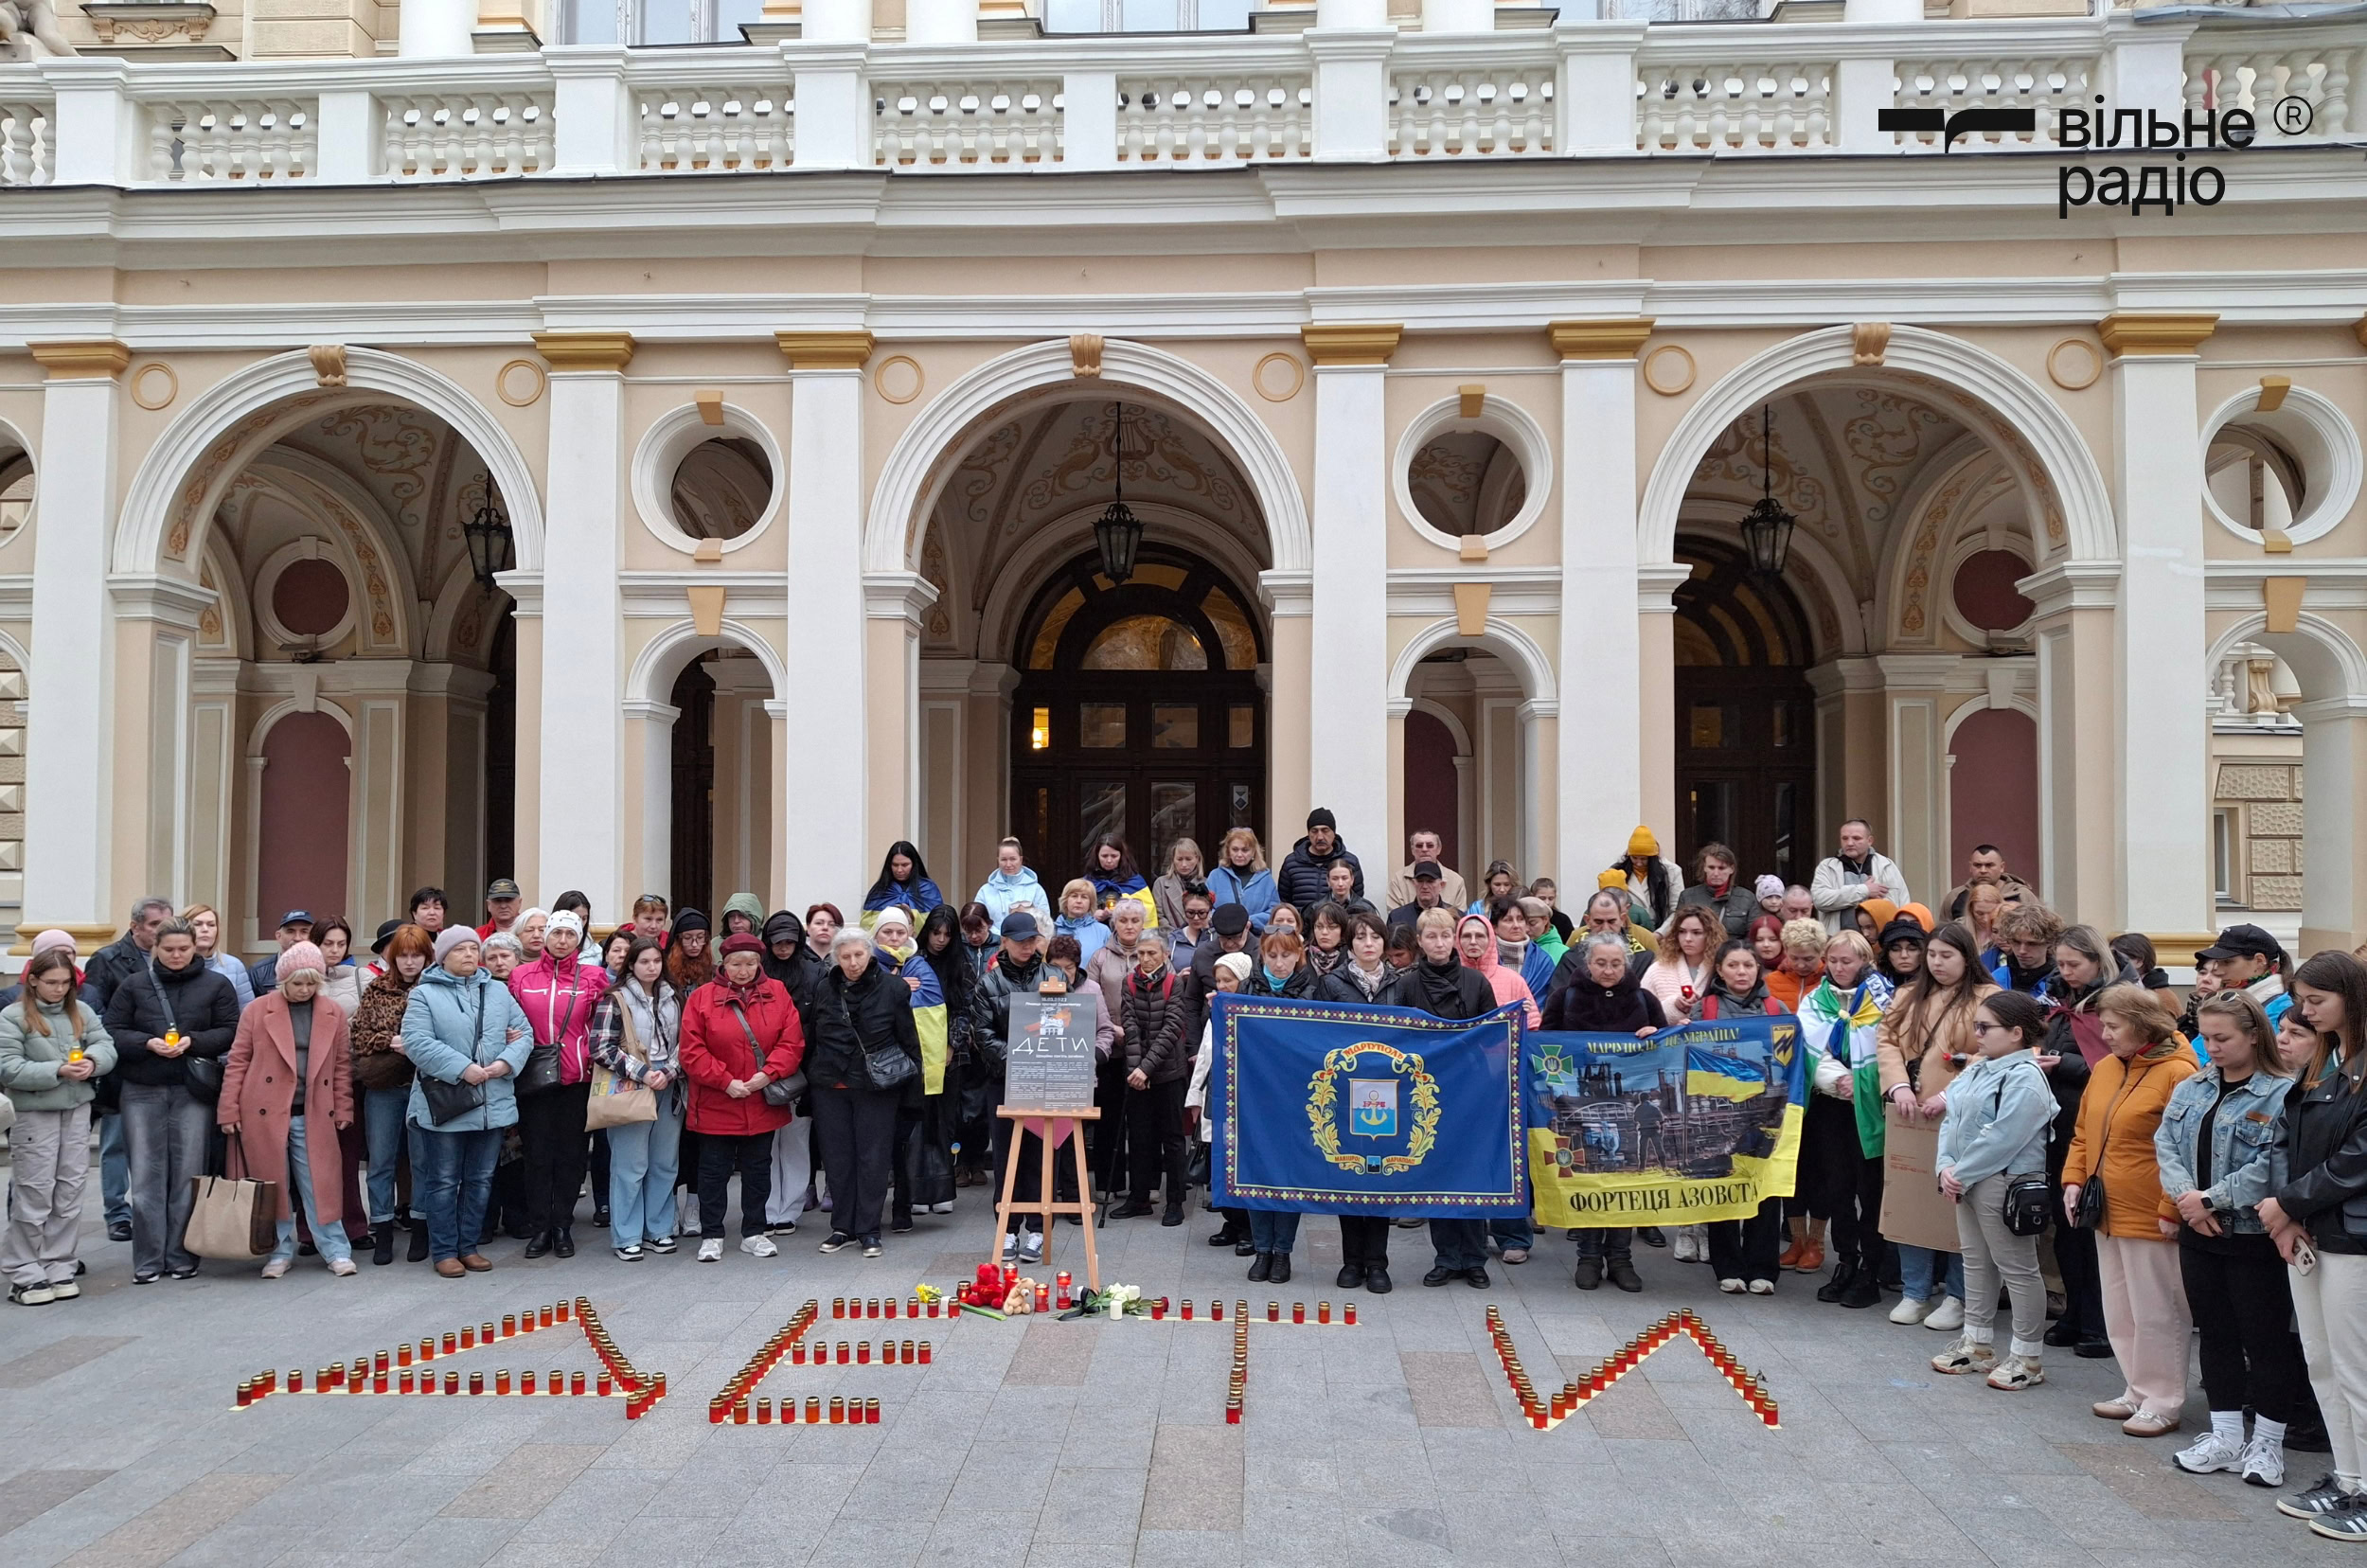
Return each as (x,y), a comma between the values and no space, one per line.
(1652,881)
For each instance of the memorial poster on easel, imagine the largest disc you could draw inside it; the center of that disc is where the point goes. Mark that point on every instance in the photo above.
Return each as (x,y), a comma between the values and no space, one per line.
(1052,1064)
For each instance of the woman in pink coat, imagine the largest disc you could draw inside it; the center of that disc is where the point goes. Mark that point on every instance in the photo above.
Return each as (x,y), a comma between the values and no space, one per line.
(1475,939)
(289,1066)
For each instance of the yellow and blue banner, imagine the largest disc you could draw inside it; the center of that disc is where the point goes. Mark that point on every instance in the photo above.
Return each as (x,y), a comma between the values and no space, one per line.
(1328,1108)
(1689,1125)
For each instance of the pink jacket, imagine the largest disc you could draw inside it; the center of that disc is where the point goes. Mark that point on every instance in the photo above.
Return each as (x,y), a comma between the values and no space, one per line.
(558,1003)
(1507,985)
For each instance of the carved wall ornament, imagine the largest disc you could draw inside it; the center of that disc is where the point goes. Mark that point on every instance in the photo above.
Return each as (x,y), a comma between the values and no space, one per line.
(1868,341)
(328,364)
(1084,355)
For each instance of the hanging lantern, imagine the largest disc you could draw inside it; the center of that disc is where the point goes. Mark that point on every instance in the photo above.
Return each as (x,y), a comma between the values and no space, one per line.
(1767,527)
(491,546)
(1119,533)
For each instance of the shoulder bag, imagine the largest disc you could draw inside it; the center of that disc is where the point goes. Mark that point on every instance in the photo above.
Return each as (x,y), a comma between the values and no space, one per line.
(884,1066)
(541,1069)
(616,1100)
(232,1217)
(783,1094)
(449,1100)
(2028,1203)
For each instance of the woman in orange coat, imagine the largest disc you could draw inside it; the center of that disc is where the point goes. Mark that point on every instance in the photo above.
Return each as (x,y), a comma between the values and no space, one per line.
(289,1066)
(740,1033)
(2145,1297)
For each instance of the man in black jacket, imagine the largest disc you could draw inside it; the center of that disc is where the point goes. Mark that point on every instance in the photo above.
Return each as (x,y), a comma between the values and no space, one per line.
(1018,968)
(1155,1001)
(173,1013)
(263,974)
(1229,933)
(126,955)
(1304,878)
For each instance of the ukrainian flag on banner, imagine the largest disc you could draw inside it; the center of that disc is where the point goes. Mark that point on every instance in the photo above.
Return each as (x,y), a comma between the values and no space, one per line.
(1328,1108)
(1690,1125)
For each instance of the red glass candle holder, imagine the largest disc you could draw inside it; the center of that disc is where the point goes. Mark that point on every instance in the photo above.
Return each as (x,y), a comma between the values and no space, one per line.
(403,1355)
(924,1352)
(846,1352)
(1349,1309)
(476,1382)
(575,1383)
(452,1382)
(1187,1309)
(813,1410)
(871,1412)
(838,1410)
(1043,1298)
(1215,1311)
(405,1385)
(863,1352)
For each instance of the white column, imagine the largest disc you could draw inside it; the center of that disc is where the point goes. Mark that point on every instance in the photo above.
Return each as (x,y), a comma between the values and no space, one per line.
(655,872)
(68,716)
(2334,795)
(1599,665)
(940,21)
(1917,835)
(2163,744)
(824,826)
(1351,13)
(581,783)
(1348,665)
(436,29)
(1456,16)
(837,22)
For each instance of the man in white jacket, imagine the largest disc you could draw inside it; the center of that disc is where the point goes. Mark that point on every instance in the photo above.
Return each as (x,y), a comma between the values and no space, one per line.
(1859,872)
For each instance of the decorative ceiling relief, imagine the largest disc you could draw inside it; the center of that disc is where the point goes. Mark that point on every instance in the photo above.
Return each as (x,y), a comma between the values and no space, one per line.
(939,629)
(1886,435)
(394,447)
(1157,454)
(1737,459)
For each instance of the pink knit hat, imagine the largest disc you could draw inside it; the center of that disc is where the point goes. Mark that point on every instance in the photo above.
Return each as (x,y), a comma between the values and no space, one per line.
(304,956)
(48,939)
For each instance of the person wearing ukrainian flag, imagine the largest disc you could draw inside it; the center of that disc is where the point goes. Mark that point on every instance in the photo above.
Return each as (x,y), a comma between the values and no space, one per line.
(1841,1144)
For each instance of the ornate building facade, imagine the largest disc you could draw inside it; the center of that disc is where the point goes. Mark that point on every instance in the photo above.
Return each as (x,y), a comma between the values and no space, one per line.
(678,468)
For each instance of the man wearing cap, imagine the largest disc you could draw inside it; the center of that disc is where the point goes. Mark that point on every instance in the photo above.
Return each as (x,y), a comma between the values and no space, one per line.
(2246,958)
(1425,844)
(1428,878)
(1017,968)
(1229,924)
(263,974)
(1303,880)
(503,901)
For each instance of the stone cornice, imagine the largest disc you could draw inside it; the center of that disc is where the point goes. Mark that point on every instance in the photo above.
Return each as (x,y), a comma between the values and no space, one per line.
(1598,340)
(1330,345)
(839,350)
(610,351)
(103,360)
(2135,336)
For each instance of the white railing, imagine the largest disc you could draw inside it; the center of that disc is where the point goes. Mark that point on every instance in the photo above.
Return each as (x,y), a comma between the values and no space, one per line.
(2046,84)
(220,141)
(1472,111)
(25,142)
(935,124)
(721,129)
(1581,89)
(1739,107)
(465,136)
(2258,80)
(1243,117)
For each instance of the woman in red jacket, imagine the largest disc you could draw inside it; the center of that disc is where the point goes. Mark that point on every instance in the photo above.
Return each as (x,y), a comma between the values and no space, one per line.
(739,1032)
(559,992)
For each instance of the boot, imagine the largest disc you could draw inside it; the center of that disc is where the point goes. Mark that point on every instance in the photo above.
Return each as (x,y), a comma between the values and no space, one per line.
(1844,1275)
(1278,1273)
(418,1240)
(1863,1290)
(383,1242)
(1262,1267)
(541,1245)
(1623,1275)
(564,1243)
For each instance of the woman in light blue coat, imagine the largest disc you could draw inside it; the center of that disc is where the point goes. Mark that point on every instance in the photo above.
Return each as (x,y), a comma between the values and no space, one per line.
(463,1027)
(1240,877)
(1998,1111)
(1011,885)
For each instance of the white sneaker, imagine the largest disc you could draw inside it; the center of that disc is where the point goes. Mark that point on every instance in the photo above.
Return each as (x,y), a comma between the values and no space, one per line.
(2263,1462)
(1032,1247)
(1762,1286)
(1010,1248)
(1947,1316)
(1910,1311)
(757,1246)
(2211,1451)
(276,1268)
(1732,1286)
(1680,1247)
(340,1267)
(946,1207)
(711,1250)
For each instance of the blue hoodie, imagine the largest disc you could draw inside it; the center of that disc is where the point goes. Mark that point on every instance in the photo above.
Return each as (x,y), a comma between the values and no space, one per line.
(1254,892)
(449,1023)
(1090,933)
(1000,892)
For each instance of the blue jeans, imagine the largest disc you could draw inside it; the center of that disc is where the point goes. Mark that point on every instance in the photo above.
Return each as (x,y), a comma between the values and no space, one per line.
(1513,1231)
(389,1134)
(453,1175)
(1460,1243)
(1921,1268)
(643,1158)
(329,1239)
(114,1169)
(1274,1230)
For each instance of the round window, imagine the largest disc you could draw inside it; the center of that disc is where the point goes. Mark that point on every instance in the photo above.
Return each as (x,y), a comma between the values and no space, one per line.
(1985,593)
(310,597)
(2291,469)
(722,489)
(1467,482)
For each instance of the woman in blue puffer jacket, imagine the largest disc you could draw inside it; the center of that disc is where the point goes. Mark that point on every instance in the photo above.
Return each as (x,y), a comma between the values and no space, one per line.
(461,1027)
(1240,877)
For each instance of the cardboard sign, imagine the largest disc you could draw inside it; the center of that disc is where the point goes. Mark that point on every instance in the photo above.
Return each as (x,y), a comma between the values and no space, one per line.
(1915,1211)
(1052,1064)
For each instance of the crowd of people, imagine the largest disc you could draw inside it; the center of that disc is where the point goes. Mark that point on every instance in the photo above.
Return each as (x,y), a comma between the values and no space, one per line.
(2111,1164)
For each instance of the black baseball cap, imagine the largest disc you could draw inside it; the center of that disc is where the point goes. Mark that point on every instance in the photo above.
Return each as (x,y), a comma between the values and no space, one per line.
(503,888)
(1229,919)
(2244,941)
(1018,925)
(295,917)
(1427,871)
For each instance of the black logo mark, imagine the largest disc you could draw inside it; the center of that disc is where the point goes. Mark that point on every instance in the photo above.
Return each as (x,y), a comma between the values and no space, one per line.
(1963,122)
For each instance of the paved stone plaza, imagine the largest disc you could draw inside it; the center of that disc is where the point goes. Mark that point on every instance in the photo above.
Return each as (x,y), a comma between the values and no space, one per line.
(1395,1441)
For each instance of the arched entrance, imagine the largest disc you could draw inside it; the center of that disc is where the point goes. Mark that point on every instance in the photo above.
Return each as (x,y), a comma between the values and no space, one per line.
(1137,712)
(1746,730)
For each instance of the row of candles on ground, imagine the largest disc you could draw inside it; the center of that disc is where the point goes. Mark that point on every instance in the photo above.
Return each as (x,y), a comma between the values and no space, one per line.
(1237,1383)
(393,1372)
(843,1412)
(1550,1411)
(754,1370)
(853,1307)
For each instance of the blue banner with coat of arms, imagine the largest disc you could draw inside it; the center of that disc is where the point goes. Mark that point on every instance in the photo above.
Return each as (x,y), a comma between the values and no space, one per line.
(1328,1108)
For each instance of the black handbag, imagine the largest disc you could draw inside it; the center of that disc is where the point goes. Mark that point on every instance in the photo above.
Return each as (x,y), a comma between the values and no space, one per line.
(781,1095)
(449,1100)
(541,1069)
(2027,1205)
(884,1066)
(2088,1214)
(200,1075)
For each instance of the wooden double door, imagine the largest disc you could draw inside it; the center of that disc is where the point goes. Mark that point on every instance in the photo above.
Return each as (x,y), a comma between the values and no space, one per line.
(1746,767)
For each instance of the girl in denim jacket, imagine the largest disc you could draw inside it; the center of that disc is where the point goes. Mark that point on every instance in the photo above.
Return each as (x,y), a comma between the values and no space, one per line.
(2219,1153)
(1996,1129)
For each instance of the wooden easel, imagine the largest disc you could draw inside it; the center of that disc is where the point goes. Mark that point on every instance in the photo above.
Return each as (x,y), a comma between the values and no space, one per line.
(1045,1204)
